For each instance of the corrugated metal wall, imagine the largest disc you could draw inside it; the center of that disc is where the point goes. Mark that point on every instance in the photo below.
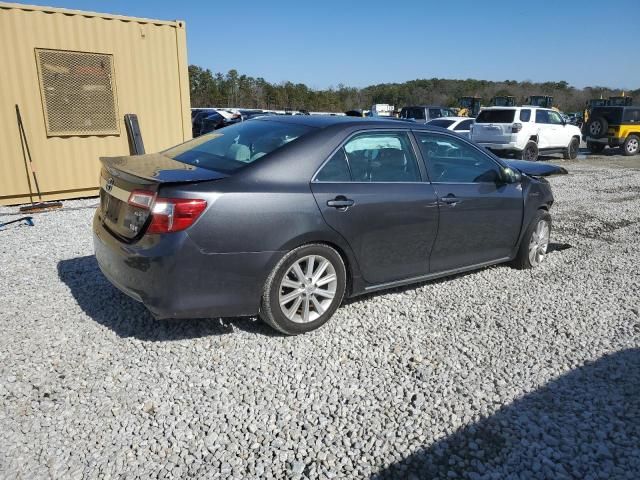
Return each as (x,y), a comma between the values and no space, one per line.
(151,79)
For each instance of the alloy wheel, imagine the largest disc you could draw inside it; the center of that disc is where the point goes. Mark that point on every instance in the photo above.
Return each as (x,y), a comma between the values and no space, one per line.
(632,146)
(308,289)
(539,243)
(595,129)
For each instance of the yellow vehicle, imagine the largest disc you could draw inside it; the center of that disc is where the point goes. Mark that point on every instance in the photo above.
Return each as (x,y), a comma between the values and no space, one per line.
(469,106)
(614,126)
(503,101)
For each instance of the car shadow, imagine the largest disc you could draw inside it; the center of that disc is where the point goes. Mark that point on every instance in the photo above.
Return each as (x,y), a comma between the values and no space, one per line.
(107,306)
(584,424)
(552,248)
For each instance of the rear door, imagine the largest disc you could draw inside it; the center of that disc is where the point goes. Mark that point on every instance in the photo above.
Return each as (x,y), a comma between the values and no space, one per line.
(374,193)
(480,217)
(494,126)
(551,132)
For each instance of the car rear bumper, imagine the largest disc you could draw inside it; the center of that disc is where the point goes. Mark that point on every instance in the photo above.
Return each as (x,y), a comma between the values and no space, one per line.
(174,278)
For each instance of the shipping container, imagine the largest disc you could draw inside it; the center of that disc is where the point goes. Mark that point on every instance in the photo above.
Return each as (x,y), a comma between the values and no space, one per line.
(74,76)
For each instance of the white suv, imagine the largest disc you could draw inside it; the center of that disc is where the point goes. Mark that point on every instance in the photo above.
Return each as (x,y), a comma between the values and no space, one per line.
(525,132)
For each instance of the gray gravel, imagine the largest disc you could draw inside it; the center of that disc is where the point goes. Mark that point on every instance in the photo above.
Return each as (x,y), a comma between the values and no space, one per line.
(494,374)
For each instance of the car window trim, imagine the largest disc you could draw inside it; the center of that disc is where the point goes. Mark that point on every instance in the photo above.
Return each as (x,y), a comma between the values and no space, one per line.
(459,138)
(424,176)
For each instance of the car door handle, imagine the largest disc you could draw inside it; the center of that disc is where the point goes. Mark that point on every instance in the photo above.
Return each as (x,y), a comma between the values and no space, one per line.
(340,202)
(450,200)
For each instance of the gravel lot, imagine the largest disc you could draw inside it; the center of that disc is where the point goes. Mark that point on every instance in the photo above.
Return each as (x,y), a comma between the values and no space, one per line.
(494,374)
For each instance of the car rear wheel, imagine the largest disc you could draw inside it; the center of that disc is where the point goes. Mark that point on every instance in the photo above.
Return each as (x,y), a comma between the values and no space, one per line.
(530,151)
(304,289)
(631,145)
(572,149)
(535,242)
(595,147)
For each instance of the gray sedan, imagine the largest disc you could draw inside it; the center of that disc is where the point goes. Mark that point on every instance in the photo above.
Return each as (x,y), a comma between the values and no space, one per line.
(283,217)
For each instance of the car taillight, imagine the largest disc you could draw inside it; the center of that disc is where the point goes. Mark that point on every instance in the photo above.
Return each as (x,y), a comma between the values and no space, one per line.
(168,214)
(516,127)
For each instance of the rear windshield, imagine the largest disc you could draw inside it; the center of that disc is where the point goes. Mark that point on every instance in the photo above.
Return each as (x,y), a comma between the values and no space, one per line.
(496,116)
(441,123)
(234,147)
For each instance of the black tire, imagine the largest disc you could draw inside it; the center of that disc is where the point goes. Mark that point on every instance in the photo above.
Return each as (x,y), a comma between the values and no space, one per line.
(595,147)
(270,310)
(530,151)
(571,153)
(597,127)
(522,260)
(631,145)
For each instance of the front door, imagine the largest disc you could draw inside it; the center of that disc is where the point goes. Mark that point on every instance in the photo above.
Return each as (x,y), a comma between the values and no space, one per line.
(372,192)
(480,216)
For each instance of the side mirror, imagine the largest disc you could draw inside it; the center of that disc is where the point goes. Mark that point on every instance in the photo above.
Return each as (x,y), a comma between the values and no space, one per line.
(509,175)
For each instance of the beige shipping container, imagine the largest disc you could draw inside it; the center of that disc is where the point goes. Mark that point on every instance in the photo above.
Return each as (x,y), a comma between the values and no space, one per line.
(74,75)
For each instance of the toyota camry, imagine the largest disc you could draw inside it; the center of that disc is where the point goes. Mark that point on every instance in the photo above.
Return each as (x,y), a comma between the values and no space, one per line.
(283,217)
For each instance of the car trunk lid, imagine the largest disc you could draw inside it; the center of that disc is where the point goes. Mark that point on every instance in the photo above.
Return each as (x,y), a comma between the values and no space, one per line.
(122,175)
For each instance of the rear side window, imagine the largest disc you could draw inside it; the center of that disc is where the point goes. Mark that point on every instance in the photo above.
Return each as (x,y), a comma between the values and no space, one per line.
(496,116)
(542,116)
(382,157)
(525,115)
(234,147)
(436,113)
(464,125)
(632,115)
(441,123)
(415,113)
(335,170)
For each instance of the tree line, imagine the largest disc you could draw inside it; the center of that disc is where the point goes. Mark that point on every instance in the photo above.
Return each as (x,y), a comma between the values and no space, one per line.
(235,90)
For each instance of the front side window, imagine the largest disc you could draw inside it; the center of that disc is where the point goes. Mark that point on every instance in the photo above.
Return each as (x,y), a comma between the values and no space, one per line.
(436,113)
(451,160)
(382,157)
(234,147)
(555,118)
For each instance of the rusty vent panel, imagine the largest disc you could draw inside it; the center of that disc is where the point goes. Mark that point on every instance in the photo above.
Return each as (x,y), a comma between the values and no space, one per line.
(78,93)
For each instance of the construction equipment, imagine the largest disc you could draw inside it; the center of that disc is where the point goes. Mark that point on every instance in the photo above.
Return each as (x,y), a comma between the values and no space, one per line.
(28,164)
(544,101)
(469,106)
(27,221)
(503,101)
(621,101)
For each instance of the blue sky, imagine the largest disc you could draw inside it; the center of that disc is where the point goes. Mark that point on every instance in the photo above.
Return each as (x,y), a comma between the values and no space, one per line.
(359,43)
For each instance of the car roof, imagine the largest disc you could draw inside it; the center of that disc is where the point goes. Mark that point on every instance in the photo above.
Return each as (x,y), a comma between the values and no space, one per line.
(323,121)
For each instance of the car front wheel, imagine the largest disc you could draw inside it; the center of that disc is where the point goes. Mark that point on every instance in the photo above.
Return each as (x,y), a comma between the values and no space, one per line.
(535,243)
(304,289)
(572,149)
